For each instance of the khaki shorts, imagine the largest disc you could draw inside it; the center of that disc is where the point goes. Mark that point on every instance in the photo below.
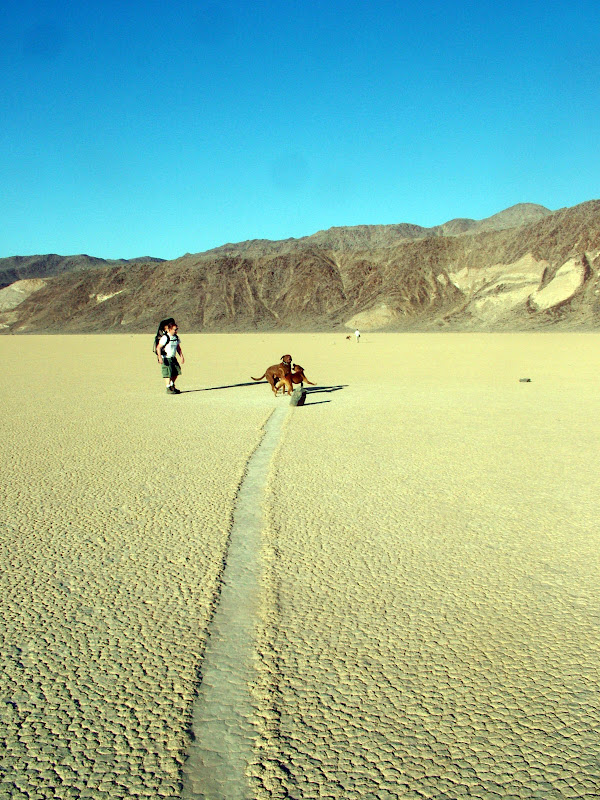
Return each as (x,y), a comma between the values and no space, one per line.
(170,368)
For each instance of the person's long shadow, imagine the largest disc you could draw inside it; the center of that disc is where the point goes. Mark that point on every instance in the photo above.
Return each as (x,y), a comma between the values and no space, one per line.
(259,383)
(229,386)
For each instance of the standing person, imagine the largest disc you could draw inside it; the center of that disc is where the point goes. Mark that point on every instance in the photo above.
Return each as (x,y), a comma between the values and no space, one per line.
(357,335)
(168,348)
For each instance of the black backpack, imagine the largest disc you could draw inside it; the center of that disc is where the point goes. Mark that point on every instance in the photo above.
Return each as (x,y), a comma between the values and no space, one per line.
(162,325)
(157,339)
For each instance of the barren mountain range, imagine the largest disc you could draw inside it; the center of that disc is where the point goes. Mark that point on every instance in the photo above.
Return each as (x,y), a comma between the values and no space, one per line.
(525,268)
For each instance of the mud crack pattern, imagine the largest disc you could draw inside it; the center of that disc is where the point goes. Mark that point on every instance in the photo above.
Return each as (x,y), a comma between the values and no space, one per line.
(116,510)
(431,618)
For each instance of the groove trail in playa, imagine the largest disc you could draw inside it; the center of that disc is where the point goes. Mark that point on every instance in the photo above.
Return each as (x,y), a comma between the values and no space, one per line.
(223,713)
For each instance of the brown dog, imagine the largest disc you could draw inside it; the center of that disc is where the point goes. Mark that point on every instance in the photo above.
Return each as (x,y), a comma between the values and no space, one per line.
(297,376)
(277,372)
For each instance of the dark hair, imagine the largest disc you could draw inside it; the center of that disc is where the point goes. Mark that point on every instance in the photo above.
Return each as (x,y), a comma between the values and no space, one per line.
(162,326)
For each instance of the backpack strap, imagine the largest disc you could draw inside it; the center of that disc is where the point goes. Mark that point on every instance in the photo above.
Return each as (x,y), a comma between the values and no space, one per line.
(157,339)
(163,348)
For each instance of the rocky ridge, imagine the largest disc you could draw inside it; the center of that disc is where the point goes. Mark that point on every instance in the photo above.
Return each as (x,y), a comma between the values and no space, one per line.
(15,268)
(525,268)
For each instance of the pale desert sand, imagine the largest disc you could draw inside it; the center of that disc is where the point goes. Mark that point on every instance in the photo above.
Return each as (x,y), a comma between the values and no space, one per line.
(430,614)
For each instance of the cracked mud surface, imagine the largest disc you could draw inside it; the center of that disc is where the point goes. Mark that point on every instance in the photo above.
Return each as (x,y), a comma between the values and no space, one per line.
(116,512)
(429,622)
(431,617)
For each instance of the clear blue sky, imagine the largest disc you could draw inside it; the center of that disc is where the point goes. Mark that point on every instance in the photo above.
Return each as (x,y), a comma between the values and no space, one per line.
(159,128)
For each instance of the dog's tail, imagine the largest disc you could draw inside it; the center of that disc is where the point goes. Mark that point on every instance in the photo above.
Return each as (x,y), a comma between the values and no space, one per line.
(259,379)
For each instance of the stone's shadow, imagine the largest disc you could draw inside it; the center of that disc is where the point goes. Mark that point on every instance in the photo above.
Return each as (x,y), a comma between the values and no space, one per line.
(317,390)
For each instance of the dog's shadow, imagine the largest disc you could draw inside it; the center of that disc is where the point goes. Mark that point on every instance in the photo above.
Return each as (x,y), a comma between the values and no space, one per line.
(326,388)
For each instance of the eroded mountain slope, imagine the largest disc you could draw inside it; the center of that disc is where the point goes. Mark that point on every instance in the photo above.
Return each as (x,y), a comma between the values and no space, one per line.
(542,271)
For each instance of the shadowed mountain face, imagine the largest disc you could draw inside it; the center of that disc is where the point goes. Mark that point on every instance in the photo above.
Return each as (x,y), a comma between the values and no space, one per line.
(525,268)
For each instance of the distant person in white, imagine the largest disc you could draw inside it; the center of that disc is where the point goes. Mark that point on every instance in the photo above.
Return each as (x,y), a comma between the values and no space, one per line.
(167,350)
(357,335)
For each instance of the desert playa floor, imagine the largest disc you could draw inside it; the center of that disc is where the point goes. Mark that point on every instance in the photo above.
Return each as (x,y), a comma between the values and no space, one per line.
(428,622)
